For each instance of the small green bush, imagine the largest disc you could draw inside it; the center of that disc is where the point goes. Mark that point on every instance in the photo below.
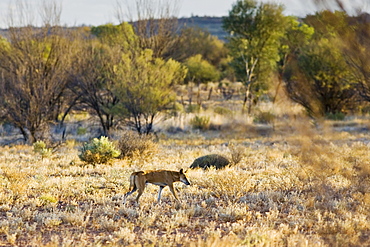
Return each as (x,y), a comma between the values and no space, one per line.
(48,199)
(132,144)
(200,122)
(81,131)
(99,151)
(193,108)
(40,148)
(339,116)
(264,117)
(176,109)
(222,111)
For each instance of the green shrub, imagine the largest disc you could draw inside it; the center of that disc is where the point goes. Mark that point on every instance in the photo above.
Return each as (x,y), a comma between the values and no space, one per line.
(81,131)
(193,108)
(132,144)
(339,116)
(99,151)
(222,111)
(264,117)
(48,199)
(200,122)
(176,109)
(40,148)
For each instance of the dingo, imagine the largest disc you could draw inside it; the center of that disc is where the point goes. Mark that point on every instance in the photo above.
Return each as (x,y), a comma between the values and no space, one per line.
(162,178)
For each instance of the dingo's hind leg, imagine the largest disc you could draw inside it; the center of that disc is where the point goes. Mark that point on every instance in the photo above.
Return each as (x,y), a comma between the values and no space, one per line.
(140,184)
(133,187)
(139,193)
(129,193)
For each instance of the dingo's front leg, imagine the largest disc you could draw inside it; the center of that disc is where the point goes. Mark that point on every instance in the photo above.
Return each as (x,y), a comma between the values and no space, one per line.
(160,193)
(173,192)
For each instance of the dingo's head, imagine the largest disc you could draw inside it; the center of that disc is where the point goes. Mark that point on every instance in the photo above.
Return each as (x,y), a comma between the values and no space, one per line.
(183,178)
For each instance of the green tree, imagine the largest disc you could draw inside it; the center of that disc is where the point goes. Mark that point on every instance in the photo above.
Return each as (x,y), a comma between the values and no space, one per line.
(318,76)
(297,36)
(95,70)
(256,32)
(193,41)
(200,70)
(121,35)
(356,47)
(320,80)
(353,39)
(145,87)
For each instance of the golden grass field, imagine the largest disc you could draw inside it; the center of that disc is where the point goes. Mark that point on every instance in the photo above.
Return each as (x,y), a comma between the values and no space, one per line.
(295,186)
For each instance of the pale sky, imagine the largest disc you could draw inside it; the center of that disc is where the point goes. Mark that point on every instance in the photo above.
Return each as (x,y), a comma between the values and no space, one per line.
(99,12)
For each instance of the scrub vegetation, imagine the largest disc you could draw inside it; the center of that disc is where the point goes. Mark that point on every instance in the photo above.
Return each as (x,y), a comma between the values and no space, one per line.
(305,188)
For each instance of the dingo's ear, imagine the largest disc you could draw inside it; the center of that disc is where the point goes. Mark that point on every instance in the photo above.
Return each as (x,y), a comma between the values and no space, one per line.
(182,171)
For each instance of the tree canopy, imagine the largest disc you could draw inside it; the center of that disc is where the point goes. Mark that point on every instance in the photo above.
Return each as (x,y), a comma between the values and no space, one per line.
(146,85)
(255,37)
(200,70)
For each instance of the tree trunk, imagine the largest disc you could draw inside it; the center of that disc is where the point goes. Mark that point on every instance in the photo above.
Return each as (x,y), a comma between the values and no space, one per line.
(210,93)
(190,93)
(199,101)
(246,100)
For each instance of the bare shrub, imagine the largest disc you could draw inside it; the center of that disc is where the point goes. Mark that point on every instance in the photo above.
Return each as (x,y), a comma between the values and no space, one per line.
(237,153)
(132,144)
(212,160)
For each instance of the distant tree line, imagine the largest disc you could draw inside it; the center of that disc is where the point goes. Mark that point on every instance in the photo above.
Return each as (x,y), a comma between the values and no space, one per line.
(125,74)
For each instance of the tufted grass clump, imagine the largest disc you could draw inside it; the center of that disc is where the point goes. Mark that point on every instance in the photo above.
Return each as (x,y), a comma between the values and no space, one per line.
(237,153)
(99,151)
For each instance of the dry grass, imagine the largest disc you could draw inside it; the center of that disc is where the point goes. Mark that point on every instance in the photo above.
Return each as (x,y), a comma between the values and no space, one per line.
(305,188)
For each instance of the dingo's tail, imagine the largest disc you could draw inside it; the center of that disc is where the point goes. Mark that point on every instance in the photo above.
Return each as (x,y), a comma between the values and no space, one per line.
(132,182)
(133,186)
(133,178)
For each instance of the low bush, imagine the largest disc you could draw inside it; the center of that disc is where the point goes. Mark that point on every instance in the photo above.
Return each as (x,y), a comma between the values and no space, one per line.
(223,111)
(132,144)
(40,148)
(193,108)
(176,109)
(212,160)
(99,151)
(264,117)
(200,122)
(81,131)
(339,116)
